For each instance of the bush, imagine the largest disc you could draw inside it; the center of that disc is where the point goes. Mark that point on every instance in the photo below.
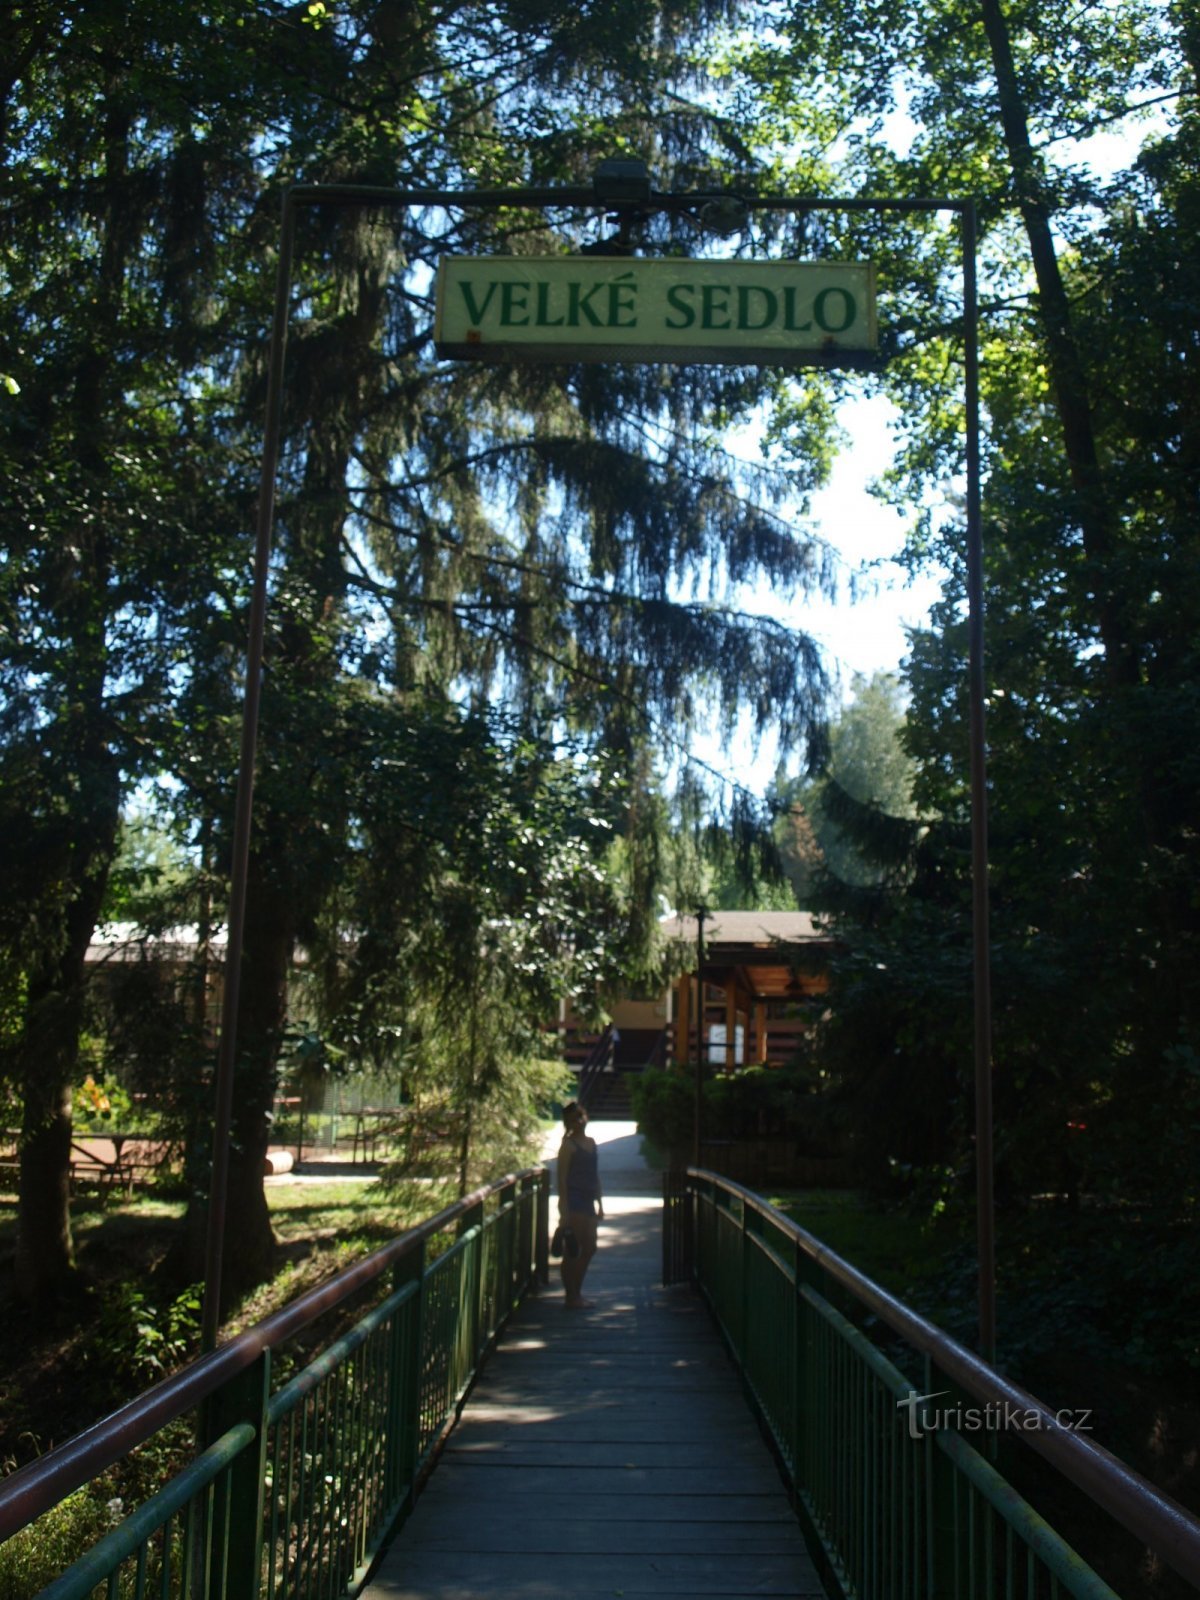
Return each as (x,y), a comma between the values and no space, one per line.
(508,1106)
(135,1341)
(38,1553)
(756,1102)
(663,1100)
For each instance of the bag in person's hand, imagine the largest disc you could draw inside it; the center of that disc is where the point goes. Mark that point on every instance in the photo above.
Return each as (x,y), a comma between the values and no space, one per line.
(564,1241)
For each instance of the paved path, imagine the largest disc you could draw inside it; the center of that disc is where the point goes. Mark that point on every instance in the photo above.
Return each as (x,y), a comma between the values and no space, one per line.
(606,1452)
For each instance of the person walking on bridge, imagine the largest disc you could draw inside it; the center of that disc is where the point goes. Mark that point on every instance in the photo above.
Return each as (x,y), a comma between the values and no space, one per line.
(580,1203)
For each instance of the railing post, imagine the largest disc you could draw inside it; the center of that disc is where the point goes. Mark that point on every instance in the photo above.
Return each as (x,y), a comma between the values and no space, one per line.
(530,1259)
(743,1288)
(238,1515)
(704,1207)
(679,1261)
(542,1227)
(801,1356)
(496,1296)
(941,1521)
(404,1401)
(473,1217)
(525,1241)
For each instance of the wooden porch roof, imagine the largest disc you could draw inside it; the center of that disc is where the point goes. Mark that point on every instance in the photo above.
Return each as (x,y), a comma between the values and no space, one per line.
(768,954)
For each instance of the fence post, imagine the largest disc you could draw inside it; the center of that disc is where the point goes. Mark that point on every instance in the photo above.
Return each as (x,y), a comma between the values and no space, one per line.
(942,1544)
(404,1381)
(525,1264)
(496,1297)
(677,1256)
(542,1226)
(702,1225)
(238,1516)
(473,1217)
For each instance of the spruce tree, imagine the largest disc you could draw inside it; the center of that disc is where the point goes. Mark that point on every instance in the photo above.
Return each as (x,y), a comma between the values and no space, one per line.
(562,541)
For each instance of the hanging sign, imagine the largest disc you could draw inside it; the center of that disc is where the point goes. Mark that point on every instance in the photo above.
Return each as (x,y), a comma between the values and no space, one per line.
(584,308)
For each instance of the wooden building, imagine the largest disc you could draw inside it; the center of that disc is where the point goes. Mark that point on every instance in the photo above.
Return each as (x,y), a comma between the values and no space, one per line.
(742,998)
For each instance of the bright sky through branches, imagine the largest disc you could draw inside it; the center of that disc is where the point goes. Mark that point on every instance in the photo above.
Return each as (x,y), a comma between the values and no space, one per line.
(863,629)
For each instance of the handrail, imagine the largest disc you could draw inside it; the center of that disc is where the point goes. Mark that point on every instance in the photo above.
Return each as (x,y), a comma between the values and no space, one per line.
(658,1050)
(35,1488)
(1141,1508)
(593,1065)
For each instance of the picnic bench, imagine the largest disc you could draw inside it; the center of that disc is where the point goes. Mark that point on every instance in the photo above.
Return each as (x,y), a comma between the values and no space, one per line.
(107,1160)
(116,1159)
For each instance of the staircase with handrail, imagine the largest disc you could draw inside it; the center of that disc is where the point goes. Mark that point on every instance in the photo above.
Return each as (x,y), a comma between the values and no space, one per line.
(605,1081)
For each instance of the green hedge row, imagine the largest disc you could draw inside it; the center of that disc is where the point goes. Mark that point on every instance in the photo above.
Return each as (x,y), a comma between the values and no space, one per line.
(754,1102)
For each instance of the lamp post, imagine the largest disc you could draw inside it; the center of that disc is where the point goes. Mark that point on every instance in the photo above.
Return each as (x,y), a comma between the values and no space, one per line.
(624,186)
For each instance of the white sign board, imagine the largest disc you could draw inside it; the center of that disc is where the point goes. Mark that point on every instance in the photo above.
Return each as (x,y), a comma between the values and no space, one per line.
(584,308)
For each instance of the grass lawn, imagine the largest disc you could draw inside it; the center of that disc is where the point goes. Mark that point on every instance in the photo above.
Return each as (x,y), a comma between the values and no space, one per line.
(896,1248)
(350,1210)
(60,1371)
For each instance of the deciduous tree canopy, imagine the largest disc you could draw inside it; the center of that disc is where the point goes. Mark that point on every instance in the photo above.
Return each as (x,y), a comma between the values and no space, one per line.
(564,543)
(1090,319)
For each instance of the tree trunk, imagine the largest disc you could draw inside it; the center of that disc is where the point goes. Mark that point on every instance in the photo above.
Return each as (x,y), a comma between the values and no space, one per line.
(1187,28)
(205,1005)
(1097,519)
(54,1004)
(45,1256)
(49,1063)
(249,1239)
(49,1050)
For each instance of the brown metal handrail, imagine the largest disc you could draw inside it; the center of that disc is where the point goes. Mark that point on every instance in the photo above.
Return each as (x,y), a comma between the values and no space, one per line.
(594,1064)
(35,1488)
(1133,1501)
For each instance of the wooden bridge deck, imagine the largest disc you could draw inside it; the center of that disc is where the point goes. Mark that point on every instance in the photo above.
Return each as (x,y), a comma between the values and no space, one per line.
(604,1453)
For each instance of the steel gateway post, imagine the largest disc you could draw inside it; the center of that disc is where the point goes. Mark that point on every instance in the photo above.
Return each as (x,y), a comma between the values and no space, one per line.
(619,186)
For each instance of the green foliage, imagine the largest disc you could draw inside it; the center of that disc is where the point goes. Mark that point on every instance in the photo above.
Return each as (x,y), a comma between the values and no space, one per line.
(724,856)
(101,1107)
(149,873)
(501,1122)
(899,1248)
(752,1102)
(570,544)
(663,1102)
(759,1101)
(32,1558)
(867,771)
(135,1340)
(480,882)
(1089,330)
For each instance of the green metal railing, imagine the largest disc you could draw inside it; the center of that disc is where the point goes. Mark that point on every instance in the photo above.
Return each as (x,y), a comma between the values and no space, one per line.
(293,1493)
(898,1502)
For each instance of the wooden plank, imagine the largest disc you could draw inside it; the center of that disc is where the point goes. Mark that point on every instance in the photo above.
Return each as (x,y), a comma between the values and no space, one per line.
(761,1478)
(443,1575)
(544,1536)
(606,1427)
(670,1506)
(708,1455)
